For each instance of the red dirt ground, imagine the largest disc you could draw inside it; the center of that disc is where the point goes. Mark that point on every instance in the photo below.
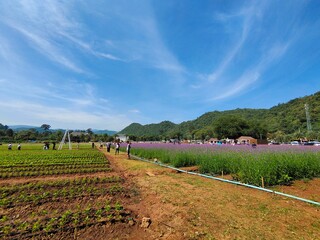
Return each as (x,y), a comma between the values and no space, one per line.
(183,206)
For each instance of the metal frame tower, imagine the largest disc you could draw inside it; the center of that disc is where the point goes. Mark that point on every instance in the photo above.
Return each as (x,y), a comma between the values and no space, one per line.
(309,128)
(64,139)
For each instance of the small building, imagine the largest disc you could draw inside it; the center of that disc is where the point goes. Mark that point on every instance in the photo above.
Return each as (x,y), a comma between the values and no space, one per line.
(78,133)
(213,140)
(122,137)
(247,140)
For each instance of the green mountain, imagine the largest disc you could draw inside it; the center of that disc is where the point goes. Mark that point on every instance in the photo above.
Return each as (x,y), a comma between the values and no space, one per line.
(109,132)
(137,129)
(284,120)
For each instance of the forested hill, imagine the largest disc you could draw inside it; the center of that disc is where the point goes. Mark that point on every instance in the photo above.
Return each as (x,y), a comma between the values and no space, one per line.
(149,129)
(284,119)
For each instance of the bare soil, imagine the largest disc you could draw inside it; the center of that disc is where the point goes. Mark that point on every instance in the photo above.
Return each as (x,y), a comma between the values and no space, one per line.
(183,206)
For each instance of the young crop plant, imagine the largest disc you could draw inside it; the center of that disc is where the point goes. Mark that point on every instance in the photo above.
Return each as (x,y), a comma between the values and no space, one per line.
(48,228)
(4,218)
(99,214)
(86,220)
(76,219)
(115,189)
(36,226)
(107,207)
(65,218)
(23,226)
(118,206)
(38,163)
(6,230)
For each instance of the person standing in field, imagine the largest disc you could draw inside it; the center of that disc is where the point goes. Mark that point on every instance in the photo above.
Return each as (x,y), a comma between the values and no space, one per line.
(128,149)
(117,148)
(108,146)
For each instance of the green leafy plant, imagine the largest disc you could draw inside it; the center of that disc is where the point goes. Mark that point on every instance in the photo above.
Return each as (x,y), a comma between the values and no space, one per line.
(36,226)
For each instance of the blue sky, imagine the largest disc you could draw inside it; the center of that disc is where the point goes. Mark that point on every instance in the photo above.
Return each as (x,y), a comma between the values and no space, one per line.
(105,64)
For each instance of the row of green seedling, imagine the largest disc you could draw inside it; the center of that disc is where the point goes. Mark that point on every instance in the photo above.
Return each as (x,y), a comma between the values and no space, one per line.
(49,167)
(40,197)
(53,157)
(6,190)
(54,172)
(65,222)
(53,161)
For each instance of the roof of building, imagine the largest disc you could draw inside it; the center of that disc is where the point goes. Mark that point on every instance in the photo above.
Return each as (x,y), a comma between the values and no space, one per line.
(246,137)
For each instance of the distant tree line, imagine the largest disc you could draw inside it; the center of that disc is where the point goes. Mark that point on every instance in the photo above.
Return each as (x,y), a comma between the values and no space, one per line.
(47,135)
(225,127)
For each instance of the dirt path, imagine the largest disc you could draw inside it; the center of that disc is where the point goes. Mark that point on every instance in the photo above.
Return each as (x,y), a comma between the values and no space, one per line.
(183,206)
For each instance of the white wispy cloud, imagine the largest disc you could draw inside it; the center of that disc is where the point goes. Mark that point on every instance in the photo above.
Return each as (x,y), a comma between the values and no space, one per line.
(247,16)
(8,56)
(88,48)
(142,40)
(45,47)
(276,51)
(223,85)
(4,50)
(108,56)
(48,25)
(134,111)
(245,81)
(73,93)
(162,57)
(104,100)
(248,79)
(62,117)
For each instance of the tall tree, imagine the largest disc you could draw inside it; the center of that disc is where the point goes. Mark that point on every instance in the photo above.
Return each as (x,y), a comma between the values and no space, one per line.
(45,127)
(231,126)
(9,132)
(3,127)
(89,131)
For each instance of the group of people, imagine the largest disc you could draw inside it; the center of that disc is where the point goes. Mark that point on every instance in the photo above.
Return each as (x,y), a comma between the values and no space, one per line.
(46,146)
(108,146)
(116,147)
(10,146)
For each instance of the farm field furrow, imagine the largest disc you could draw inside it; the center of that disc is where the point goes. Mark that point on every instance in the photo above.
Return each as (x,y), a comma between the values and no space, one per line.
(32,207)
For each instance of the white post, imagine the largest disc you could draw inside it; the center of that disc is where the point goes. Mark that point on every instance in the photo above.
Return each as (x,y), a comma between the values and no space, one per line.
(70,147)
(63,140)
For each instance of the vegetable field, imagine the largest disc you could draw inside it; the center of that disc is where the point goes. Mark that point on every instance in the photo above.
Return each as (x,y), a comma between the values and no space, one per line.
(276,165)
(47,193)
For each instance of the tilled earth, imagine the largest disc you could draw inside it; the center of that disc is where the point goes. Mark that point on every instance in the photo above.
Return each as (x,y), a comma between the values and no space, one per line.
(177,206)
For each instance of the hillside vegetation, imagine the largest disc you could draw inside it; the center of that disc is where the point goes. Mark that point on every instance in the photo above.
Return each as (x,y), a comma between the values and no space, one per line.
(283,122)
